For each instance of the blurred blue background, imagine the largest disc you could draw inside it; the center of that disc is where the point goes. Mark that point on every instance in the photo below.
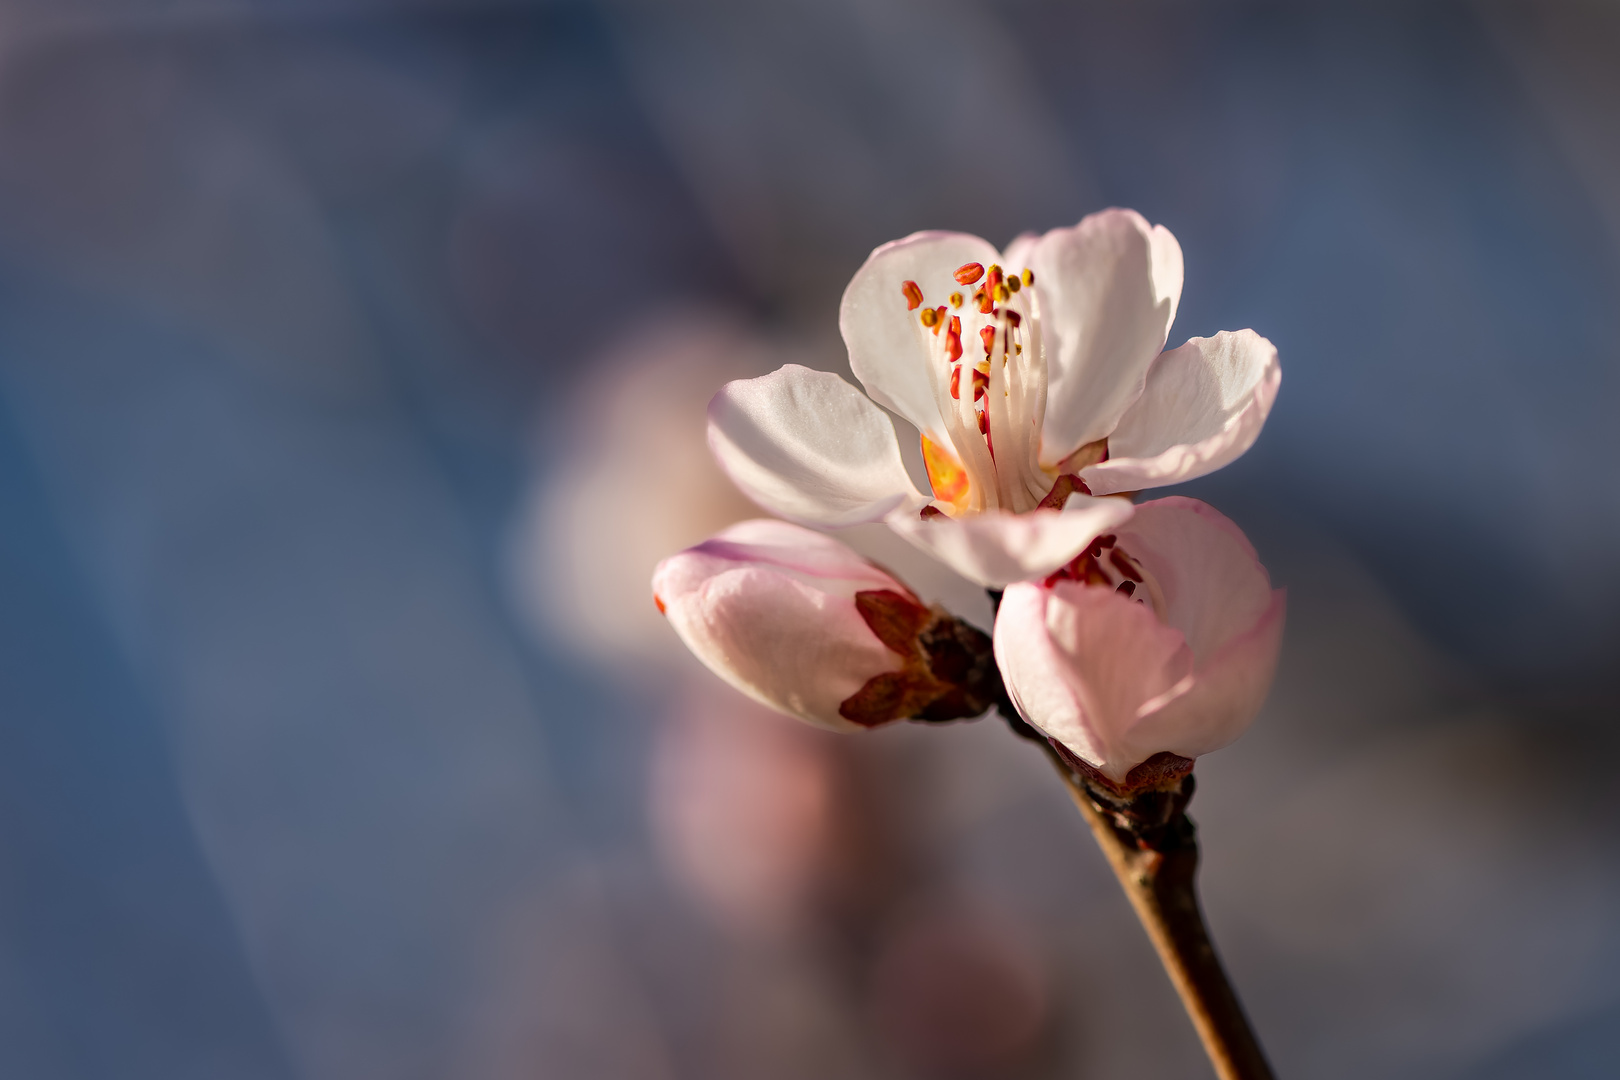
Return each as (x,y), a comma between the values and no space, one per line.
(306,306)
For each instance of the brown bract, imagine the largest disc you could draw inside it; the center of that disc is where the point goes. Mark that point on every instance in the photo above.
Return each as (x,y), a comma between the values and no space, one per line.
(949,670)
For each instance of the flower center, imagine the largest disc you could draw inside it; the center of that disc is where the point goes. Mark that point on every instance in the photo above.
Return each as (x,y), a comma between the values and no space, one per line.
(991,392)
(1105,564)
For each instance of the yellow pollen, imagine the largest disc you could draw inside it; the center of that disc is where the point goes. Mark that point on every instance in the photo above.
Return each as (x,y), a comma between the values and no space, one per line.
(1029,276)
(929,316)
(1014,284)
(956,299)
(1002,293)
(995,268)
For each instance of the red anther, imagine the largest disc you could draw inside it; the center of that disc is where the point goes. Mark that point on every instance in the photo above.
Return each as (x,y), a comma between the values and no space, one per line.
(930,512)
(1107,541)
(1013,318)
(981,383)
(953,340)
(968,273)
(956,382)
(912,294)
(659,600)
(1126,587)
(994,279)
(984,422)
(988,336)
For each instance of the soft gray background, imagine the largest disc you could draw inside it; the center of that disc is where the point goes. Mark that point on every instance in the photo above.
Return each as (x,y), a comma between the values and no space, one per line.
(290,293)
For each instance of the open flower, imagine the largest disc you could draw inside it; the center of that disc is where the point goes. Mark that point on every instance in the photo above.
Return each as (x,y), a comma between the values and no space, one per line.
(1032,375)
(801,623)
(1161,638)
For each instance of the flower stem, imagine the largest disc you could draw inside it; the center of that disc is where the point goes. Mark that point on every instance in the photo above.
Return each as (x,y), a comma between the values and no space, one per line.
(1158,873)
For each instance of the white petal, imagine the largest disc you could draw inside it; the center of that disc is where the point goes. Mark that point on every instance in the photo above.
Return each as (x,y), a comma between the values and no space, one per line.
(997,548)
(1203,406)
(808,446)
(885,339)
(1107,289)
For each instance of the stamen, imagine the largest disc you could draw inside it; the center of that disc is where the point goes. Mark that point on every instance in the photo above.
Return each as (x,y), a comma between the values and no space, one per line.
(953,339)
(987,335)
(1014,284)
(1029,276)
(968,273)
(912,294)
(956,299)
(930,317)
(956,382)
(986,305)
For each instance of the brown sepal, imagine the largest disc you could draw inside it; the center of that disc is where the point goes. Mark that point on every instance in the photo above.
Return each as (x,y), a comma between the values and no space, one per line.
(948,668)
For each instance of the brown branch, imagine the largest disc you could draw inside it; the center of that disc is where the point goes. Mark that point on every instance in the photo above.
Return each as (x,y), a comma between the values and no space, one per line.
(1155,857)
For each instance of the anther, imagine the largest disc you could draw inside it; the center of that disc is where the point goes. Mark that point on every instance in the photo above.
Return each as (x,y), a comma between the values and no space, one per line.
(953,340)
(968,273)
(956,382)
(912,294)
(1014,284)
(1002,292)
(1126,587)
(1013,318)
(930,317)
(986,304)
(988,336)
(956,299)
(1029,276)
(984,423)
(995,278)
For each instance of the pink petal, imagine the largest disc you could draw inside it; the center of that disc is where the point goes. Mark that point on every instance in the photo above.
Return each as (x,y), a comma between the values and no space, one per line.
(1107,291)
(1203,406)
(1117,682)
(996,548)
(1226,693)
(769,607)
(1080,660)
(808,446)
(884,338)
(1213,585)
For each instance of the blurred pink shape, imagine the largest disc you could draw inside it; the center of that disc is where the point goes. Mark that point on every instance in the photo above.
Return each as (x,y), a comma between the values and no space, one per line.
(741,809)
(959,993)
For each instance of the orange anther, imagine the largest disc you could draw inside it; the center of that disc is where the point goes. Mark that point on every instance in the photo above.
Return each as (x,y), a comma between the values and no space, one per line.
(981,383)
(984,424)
(659,600)
(986,305)
(953,340)
(968,273)
(988,336)
(912,294)
(956,382)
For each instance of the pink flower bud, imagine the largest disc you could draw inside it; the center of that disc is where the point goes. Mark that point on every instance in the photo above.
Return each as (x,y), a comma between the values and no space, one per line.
(1161,638)
(801,623)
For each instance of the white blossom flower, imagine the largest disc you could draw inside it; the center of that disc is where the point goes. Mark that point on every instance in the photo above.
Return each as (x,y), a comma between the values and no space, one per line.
(1032,375)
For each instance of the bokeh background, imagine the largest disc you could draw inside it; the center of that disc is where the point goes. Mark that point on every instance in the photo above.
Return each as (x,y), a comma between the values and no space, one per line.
(352,363)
